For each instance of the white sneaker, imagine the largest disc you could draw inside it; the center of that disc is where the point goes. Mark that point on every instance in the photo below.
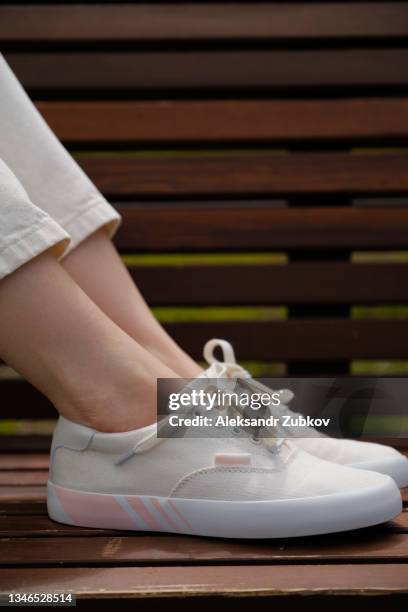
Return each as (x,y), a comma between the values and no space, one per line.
(219,487)
(352,453)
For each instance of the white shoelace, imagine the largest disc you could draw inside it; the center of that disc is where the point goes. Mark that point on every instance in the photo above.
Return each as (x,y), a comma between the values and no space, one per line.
(230,369)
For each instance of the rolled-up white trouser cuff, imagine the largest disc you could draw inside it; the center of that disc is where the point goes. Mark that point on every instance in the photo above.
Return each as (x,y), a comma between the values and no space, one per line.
(95,216)
(25,230)
(51,179)
(46,235)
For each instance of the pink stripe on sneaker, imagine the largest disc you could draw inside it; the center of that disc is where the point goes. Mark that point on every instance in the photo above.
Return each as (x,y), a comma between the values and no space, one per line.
(139,507)
(163,513)
(177,511)
(94,510)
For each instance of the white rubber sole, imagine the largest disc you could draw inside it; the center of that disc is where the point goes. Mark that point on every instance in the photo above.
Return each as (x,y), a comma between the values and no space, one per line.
(283,518)
(395,467)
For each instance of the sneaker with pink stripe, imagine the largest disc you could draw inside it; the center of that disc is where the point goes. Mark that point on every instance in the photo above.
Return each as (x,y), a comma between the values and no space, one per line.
(222,487)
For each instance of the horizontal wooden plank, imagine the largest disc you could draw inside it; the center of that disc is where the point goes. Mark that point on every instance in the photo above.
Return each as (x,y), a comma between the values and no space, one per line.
(24,508)
(347,548)
(39,525)
(23,477)
(303,339)
(307,283)
(21,461)
(228,580)
(21,400)
(221,228)
(14,493)
(199,70)
(24,443)
(376,539)
(240,174)
(199,21)
(226,120)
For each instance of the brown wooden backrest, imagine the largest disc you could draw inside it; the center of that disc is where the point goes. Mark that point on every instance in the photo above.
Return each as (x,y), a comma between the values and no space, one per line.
(243,128)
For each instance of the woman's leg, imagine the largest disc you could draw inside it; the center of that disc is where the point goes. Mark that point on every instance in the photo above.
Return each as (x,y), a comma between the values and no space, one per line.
(55,336)
(60,341)
(59,187)
(116,294)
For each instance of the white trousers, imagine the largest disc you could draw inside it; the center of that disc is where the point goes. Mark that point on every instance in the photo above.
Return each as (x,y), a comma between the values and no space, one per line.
(46,201)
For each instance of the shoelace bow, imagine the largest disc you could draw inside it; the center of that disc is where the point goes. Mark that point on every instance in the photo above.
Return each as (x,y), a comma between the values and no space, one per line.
(229,368)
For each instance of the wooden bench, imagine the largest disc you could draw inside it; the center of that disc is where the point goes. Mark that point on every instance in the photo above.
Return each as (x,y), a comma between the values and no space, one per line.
(258,155)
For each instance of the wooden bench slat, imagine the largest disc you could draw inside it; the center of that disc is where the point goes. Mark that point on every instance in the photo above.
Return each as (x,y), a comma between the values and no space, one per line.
(241,174)
(18,461)
(257,285)
(23,493)
(160,550)
(12,443)
(303,339)
(230,580)
(20,400)
(226,120)
(23,477)
(25,509)
(306,283)
(198,21)
(222,70)
(39,525)
(201,228)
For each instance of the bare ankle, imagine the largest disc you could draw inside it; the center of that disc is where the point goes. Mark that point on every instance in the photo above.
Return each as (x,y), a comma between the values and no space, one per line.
(111,411)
